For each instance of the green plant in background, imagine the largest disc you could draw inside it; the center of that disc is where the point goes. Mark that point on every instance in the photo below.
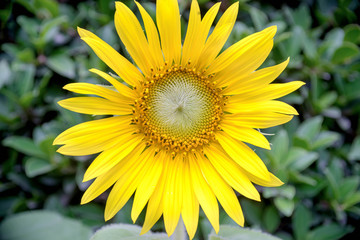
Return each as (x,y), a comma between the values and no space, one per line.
(316,155)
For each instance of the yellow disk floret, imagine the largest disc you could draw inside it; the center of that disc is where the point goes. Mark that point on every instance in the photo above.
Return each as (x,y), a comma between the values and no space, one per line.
(179,109)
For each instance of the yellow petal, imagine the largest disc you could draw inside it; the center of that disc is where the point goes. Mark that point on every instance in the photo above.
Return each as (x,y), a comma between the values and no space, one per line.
(147,185)
(256,119)
(190,207)
(168,22)
(231,172)
(248,135)
(222,190)
(155,206)
(133,37)
(192,33)
(198,41)
(126,185)
(152,36)
(87,128)
(218,37)
(173,195)
(127,71)
(81,146)
(107,159)
(95,106)
(241,83)
(273,182)
(122,89)
(269,92)
(93,141)
(245,52)
(204,194)
(243,155)
(272,105)
(92,89)
(104,181)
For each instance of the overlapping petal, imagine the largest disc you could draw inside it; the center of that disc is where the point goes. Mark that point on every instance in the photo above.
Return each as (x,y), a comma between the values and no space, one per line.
(218,37)
(245,53)
(168,22)
(170,179)
(239,83)
(127,183)
(133,37)
(243,155)
(95,106)
(127,71)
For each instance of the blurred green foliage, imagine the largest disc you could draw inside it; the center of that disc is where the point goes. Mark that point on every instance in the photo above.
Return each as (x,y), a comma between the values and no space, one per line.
(317,154)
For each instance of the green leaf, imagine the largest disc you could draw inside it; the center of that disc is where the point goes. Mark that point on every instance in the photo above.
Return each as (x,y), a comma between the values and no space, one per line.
(36,166)
(352,33)
(327,100)
(354,153)
(50,7)
(333,40)
(24,145)
(300,178)
(299,159)
(51,24)
(30,25)
(325,139)
(351,201)
(347,52)
(285,206)
(287,191)
(258,17)
(348,187)
(46,145)
(294,43)
(25,72)
(302,17)
(329,232)
(238,233)
(310,128)
(271,219)
(62,64)
(280,147)
(253,213)
(125,232)
(5,76)
(42,225)
(301,222)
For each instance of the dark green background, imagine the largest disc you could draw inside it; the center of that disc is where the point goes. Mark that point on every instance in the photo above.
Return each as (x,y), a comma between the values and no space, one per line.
(317,154)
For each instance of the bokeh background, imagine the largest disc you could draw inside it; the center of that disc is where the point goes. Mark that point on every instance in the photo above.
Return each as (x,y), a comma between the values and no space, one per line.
(317,154)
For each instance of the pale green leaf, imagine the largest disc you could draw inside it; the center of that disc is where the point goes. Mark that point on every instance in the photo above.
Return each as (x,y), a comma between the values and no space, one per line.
(239,233)
(42,225)
(125,232)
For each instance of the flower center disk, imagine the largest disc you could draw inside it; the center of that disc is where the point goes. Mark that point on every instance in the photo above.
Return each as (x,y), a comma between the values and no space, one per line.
(179,110)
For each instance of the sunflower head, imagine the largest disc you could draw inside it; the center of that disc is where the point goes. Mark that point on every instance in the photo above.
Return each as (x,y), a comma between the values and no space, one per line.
(180,120)
(179,110)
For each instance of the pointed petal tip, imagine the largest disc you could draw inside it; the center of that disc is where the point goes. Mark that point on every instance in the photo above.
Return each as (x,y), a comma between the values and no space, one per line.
(134,215)
(68,86)
(108,215)
(84,200)
(267,146)
(57,141)
(88,175)
(235,4)
(82,32)
(143,231)
(118,4)
(279,182)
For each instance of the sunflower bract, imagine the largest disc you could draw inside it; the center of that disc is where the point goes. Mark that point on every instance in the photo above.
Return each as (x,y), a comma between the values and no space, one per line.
(177,131)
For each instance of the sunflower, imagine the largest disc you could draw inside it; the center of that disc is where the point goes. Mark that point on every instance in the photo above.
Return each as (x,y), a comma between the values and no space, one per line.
(178,119)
